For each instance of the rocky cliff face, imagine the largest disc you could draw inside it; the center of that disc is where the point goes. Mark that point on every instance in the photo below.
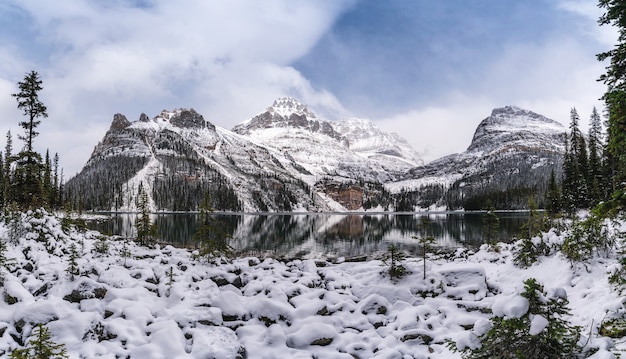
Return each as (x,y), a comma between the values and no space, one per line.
(513,149)
(287,159)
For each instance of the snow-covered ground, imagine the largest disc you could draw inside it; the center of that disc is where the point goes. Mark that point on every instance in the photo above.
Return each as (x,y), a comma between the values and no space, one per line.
(126,305)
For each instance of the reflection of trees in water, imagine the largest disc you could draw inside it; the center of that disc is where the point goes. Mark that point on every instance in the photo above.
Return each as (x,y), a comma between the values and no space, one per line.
(300,235)
(271,233)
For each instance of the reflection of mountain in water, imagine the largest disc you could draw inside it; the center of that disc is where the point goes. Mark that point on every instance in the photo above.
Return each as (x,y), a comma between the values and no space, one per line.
(326,235)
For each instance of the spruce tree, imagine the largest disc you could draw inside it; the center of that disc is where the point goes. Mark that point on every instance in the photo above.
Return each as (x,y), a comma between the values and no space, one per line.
(553,196)
(514,338)
(491,223)
(615,97)
(595,180)
(47,180)
(72,263)
(54,195)
(41,346)
(6,169)
(579,170)
(27,175)
(146,231)
(211,237)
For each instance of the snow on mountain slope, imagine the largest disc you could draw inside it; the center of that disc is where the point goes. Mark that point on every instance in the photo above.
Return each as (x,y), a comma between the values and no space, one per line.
(373,143)
(320,149)
(512,148)
(178,157)
(287,159)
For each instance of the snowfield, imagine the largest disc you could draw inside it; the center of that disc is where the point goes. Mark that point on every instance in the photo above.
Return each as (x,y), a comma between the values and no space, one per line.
(124,303)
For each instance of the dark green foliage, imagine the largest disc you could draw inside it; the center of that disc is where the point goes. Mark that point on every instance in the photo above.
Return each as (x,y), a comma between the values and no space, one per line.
(595,180)
(211,238)
(4,261)
(511,337)
(530,251)
(577,246)
(491,223)
(72,263)
(536,221)
(40,346)
(553,196)
(615,96)
(575,168)
(393,259)
(146,230)
(28,101)
(102,245)
(587,236)
(26,179)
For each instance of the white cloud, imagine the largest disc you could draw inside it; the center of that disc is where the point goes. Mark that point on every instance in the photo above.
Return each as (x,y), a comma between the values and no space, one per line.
(549,78)
(228,60)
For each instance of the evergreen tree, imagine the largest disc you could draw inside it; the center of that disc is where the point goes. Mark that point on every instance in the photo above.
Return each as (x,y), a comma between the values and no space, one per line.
(28,187)
(553,196)
(394,258)
(72,264)
(491,223)
(3,183)
(424,240)
(578,156)
(6,169)
(594,179)
(4,261)
(571,179)
(615,97)
(146,231)
(41,346)
(515,338)
(47,180)
(55,201)
(210,237)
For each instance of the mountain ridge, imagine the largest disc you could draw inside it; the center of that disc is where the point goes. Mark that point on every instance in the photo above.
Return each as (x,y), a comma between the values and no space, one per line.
(287,159)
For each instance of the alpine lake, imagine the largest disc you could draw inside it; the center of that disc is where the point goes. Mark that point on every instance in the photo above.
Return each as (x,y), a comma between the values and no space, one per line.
(354,236)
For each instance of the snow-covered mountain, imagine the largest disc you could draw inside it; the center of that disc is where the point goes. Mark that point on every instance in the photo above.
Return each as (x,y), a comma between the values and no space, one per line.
(284,159)
(513,149)
(287,159)
(346,150)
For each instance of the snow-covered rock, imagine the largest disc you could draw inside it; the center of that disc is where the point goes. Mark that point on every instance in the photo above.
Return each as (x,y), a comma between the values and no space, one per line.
(294,309)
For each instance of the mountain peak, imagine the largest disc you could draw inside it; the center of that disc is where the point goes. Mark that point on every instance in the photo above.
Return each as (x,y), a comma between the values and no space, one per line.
(286,106)
(511,123)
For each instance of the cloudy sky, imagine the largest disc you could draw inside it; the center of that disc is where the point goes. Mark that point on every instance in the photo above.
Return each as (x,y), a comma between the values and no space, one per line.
(429,70)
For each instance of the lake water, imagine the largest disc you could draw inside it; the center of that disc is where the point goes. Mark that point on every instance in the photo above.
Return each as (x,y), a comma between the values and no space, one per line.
(325,235)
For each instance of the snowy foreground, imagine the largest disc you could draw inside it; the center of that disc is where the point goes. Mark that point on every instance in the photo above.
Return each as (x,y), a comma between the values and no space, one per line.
(126,305)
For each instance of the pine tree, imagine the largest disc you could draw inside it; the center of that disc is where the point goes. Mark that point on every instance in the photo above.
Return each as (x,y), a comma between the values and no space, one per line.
(394,258)
(3,183)
(595,180)
(491,223)
(553,196)
(146,231)
(511,337)
(47,180)
(210,237)
(41,346)
(579,170)
(72,264)
(615,98)
(55,201)
(6,170)
(27,178)
(4,261)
